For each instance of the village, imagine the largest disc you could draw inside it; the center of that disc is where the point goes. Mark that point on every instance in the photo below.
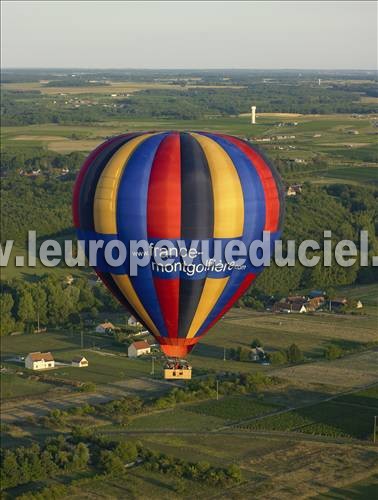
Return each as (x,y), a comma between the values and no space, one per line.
(314,301)
(140,343)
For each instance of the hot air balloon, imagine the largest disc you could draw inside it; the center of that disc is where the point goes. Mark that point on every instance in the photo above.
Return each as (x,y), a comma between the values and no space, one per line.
(177,186)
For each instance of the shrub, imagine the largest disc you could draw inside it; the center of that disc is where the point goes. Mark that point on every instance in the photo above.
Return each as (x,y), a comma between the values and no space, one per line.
(278,358)
(87,387)
(333,352)
(294,354)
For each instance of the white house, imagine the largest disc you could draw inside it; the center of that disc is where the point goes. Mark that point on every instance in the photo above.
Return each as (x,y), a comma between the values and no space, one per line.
(105,327)
(79,361)
(133,321)
(39,361)
(257,353)
(138,349)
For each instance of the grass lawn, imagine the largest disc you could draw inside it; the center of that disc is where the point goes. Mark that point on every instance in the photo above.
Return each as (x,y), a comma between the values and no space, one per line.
(13,386)
(233,408)
(362,174)
(105,365)
(366,489)
(175,419)
(141,483)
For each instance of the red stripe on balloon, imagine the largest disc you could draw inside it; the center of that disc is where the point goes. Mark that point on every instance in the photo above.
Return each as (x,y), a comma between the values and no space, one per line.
(164,191)
(272,201)
(168,291)
(239,292)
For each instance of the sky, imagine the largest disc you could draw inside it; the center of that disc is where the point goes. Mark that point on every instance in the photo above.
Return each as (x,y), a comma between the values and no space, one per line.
(117,34)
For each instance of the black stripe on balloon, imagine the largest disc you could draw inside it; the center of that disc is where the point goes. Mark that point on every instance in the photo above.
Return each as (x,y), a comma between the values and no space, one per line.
(89,185)
(113,287)
(197,219)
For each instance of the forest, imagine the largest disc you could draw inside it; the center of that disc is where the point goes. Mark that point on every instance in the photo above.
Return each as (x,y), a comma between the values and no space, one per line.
(36,183)
(186,95)
(353,209)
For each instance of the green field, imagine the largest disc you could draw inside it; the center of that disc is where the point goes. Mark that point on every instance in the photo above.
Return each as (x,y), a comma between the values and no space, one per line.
(360,174)
(325,419)
(176,419)
(13,386)
(368,398)
(333,143)
(310,445)
(233,408)
(312,333)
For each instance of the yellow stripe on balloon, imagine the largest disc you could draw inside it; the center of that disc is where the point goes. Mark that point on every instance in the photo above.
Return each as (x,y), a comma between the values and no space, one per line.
(211,292)
(227,190)
(105,199)
(124,284)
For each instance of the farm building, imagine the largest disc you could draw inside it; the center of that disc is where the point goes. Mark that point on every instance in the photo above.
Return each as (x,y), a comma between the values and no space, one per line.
(69,279)
(314,303)
(105,327)
(257,354)
(138,349)
(317,293)
(39,361)
(294,189)
(286,306)
(133,321)
(79,362)
(339,302)
(298,307)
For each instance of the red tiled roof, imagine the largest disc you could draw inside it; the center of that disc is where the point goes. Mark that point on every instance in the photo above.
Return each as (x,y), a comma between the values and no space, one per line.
(39,356)
(141,344)
(107,325)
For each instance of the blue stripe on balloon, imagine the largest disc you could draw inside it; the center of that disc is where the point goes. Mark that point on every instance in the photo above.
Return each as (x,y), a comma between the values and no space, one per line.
(132,220)
(87,235)
(254,218)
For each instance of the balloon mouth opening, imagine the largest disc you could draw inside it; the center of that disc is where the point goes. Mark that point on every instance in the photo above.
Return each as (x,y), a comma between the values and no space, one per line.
(176,351)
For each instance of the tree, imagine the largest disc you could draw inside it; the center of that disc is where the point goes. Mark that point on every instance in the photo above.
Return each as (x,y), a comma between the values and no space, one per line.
(234,472)
(243,354)
(81,455)
(333,352)
(127,452)
(7,322)
(256,343)
(278,358)
(110,462)
(26,310)
(10,473)
(253,303)
(294,354)
(40,302)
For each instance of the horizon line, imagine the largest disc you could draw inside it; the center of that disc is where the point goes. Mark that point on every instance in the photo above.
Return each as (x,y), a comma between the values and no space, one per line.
(181,68)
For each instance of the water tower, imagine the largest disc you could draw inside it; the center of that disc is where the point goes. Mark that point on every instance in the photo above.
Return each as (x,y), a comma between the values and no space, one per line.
(253,114)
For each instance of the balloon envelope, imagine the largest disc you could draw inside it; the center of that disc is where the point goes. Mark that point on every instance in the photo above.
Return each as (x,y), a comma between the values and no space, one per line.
(177,186)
